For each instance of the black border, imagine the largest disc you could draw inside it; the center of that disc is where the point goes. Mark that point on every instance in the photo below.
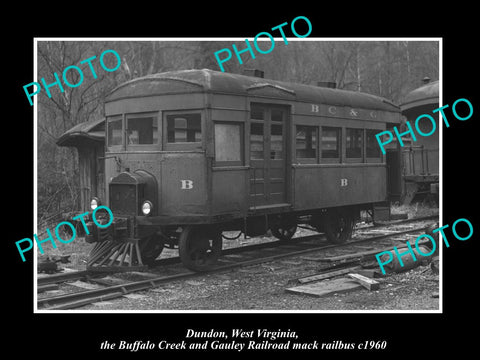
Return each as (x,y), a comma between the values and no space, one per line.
(407,334)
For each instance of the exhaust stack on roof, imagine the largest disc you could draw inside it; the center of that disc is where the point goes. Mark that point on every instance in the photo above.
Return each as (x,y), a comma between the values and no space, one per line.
(327,84)
(254,73)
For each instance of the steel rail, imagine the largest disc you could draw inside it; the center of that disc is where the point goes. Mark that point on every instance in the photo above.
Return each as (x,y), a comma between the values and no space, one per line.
(63,277)
(83,274)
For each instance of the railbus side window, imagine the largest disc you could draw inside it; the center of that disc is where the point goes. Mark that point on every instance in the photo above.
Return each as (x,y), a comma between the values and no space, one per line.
(228,143)
(354,143)
(276,134)
(256,141)
(183,131)
(142,129)
(306,142)
(373,150)
(331,141)
(114,131)
(184,128)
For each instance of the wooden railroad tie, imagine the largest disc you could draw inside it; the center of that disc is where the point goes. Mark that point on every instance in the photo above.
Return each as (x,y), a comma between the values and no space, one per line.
(366,282)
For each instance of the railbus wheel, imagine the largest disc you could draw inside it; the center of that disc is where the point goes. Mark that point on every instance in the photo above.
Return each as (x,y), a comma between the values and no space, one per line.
(284,232)
(150,248)
(283,227)
(338,226)
(199,248)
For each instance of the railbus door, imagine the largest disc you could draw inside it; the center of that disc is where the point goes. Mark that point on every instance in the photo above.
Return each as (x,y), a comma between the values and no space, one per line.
(394,174)
(267,154)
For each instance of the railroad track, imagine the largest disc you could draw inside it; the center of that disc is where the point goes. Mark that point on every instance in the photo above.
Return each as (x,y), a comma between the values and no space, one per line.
(231,259)
(88,274)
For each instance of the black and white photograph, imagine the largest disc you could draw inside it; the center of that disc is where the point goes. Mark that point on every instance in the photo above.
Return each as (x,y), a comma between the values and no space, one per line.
(280,183)
(261,189)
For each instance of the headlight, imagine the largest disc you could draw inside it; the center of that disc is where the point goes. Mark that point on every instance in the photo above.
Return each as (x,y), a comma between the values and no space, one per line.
(147,207)
(94,203)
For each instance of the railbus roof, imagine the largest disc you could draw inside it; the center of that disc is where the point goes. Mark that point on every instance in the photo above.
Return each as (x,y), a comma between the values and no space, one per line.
(206,80)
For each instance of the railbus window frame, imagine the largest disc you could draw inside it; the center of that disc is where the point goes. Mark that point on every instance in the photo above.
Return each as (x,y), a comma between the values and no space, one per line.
(156,121)
(241,139)
(379,157)
(307,160)
(340,140)
(109,120)
(348,157)
(185,145)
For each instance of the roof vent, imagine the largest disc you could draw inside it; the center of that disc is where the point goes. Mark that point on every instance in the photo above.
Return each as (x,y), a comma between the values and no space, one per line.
(254,73)
(426,80)
(327,84)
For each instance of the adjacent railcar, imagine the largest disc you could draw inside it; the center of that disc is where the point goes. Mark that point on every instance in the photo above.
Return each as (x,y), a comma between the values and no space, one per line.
(420,159)
(191,154)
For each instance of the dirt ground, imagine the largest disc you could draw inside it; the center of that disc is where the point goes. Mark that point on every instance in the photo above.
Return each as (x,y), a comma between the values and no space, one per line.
(263,287)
